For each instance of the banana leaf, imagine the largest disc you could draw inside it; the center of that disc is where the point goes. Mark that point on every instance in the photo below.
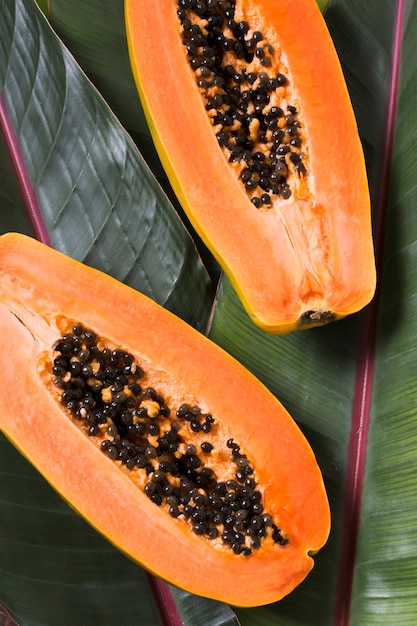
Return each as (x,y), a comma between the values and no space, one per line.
(87,189)
(350,386)
(94,31)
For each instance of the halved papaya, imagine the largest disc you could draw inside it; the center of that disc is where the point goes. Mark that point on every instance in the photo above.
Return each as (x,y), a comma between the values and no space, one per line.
(250,113)
(168,446)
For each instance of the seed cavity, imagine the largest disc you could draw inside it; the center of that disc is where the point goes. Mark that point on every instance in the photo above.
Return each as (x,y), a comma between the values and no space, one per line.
(175,453)
(248,98)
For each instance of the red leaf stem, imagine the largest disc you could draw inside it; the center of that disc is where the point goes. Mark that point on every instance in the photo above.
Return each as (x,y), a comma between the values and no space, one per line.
(366,357)
(22,175)
(165,602)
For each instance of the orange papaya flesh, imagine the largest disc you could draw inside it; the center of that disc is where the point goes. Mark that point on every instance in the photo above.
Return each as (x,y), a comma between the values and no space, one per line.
(168,446)
(250,113)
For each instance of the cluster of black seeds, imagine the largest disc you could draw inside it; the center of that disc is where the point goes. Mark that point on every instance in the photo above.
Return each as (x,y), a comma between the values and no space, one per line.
(264,139)
(101,389)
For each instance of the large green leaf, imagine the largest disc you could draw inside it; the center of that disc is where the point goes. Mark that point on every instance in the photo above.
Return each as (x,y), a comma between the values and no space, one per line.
(94,32)
(385,581)
(88,190)
(54,569)
(350,386)
(71,176)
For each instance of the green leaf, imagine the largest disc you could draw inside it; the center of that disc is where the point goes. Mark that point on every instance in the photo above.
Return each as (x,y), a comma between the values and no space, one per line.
(385,581)
(88,190)
(43,5)
(94,32)
(54,569)
(202,611)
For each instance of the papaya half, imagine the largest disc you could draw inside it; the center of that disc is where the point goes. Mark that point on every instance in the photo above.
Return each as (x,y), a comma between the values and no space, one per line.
(168,446)
(250,114)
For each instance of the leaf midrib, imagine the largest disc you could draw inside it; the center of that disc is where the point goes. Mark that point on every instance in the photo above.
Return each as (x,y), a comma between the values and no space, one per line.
(22,176)
(366,357)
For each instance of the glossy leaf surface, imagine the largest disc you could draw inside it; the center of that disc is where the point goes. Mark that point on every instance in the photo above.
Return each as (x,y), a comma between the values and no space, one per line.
(94,31)
(71,176)
(87,189)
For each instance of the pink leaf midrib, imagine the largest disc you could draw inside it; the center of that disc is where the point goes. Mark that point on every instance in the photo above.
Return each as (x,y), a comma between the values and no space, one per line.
(22,175)
(163,597)
(366,357)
